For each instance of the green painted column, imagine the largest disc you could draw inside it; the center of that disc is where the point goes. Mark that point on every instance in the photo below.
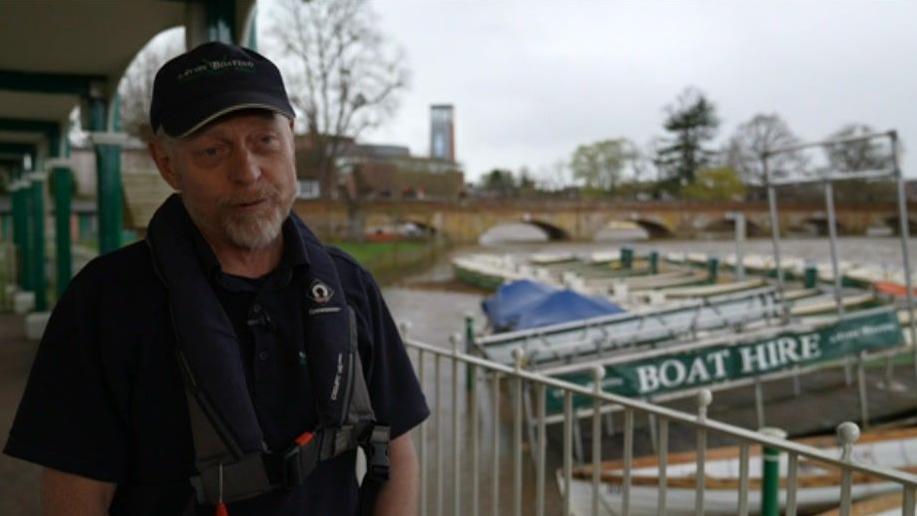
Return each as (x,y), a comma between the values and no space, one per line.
(20,228)
(109,191)
(6,227)
(221,20)
(654,262)
(63,188)
(36,191)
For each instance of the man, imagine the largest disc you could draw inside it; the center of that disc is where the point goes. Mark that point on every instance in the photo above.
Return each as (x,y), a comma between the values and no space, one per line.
(208,368)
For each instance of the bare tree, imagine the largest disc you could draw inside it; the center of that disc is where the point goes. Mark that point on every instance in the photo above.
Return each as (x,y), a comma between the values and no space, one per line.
(859,155)
(136,88)
(343,76)
(763,133)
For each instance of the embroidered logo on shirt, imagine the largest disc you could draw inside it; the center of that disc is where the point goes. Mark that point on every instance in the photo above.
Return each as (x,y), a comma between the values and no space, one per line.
(320,292)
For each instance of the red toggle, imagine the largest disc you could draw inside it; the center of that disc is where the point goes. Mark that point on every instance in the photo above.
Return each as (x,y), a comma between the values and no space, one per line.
(304,439)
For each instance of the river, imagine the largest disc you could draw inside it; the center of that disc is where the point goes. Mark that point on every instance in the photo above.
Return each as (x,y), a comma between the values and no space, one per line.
(435,305)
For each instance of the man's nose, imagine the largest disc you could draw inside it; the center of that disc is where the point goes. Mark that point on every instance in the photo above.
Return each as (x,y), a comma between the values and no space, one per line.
(246,167)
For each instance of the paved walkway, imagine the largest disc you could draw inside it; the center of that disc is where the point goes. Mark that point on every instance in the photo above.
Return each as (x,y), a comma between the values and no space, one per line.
(18,479)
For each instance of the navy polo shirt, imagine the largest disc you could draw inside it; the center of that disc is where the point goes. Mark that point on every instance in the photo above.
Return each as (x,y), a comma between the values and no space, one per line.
(105,399)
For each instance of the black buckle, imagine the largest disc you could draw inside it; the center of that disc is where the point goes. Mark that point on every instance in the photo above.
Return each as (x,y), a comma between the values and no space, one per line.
(300,460)
(376,449)
(292,468)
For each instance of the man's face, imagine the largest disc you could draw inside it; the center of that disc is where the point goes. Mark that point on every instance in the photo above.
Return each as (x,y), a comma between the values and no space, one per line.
(236,176)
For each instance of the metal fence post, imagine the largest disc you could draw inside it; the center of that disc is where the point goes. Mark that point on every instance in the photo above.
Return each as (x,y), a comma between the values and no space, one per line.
(904,230)
(863,390)
(469,347)
(519,359)
(495,448)
(775,236)
(456,432)
(847,434)
(598,372)
(770,474)
(568,449)
(739,219)
(438,433)
(704,399)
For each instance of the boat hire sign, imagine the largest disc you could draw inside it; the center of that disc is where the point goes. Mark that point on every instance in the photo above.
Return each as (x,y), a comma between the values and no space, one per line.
(727,362)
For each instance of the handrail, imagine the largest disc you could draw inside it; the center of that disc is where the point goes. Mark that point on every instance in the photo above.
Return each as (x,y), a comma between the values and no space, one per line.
(697,421)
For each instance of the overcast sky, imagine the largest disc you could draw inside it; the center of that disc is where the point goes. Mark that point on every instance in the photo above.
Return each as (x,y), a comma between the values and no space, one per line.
(532,79)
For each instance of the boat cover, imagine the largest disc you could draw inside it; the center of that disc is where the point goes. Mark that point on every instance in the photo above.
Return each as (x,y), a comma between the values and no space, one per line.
(523,304)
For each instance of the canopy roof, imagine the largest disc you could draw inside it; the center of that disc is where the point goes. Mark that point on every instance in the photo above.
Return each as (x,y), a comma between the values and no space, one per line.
(54,52)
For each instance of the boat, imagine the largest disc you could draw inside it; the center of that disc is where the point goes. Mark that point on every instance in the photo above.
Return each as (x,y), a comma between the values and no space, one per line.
(524,304)
(593,337)
(818,486)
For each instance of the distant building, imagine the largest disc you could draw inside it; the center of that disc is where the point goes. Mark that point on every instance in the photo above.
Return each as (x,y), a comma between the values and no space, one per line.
(385,172)
(442,132)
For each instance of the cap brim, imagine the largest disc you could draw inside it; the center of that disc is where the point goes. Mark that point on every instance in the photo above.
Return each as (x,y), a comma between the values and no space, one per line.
(203,112)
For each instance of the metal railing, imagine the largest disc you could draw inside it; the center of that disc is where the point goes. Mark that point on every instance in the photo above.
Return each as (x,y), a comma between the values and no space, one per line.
(478,372)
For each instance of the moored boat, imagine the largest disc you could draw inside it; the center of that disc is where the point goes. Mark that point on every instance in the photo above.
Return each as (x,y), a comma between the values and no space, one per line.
(818,486)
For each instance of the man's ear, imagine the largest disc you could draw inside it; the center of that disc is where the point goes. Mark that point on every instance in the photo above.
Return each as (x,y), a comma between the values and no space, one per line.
(163,162)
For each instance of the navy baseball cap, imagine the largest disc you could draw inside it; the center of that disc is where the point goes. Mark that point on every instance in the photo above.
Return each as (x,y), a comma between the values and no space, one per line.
(211,80)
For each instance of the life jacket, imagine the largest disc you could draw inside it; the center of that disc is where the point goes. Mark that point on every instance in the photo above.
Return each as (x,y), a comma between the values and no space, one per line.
(232,460)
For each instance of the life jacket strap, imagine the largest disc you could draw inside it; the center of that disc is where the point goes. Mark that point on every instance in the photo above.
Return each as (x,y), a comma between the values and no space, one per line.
(244,478)
(327,443)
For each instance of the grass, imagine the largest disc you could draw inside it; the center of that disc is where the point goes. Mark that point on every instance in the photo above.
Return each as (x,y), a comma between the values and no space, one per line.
(368,252)
(390,260)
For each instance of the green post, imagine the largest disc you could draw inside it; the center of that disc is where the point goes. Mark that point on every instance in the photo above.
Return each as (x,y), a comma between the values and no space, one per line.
(654,262)
(713,266)
(108,178)
(6,227)
(469,346)
(37,257)
(22,210)
(63,187)
(20,230)
(811,275)
(627,257)
(770,478)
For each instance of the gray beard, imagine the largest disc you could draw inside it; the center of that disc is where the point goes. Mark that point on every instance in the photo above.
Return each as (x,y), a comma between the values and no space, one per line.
(255,232)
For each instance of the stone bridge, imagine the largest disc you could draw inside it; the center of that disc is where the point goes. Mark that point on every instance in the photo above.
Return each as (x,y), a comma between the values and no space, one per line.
(465,221)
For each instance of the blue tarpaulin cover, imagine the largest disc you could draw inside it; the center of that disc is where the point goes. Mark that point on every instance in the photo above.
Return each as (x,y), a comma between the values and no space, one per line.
(523,304)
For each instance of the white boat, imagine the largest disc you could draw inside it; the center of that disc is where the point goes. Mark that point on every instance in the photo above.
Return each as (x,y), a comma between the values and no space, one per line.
(818,486)
(713,290)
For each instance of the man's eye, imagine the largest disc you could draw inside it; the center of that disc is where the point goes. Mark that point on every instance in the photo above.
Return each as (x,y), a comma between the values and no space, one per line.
(210,152)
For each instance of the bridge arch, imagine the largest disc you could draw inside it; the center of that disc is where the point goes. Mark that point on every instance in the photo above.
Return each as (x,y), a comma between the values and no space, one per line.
(728,225)
(655,229)
(894,223)
(553,232)
(522,231)
(820,224)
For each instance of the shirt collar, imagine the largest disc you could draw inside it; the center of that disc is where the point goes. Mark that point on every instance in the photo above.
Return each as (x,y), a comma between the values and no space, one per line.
(295,258)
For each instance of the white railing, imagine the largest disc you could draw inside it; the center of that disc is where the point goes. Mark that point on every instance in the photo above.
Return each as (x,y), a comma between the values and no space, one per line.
(478,371)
